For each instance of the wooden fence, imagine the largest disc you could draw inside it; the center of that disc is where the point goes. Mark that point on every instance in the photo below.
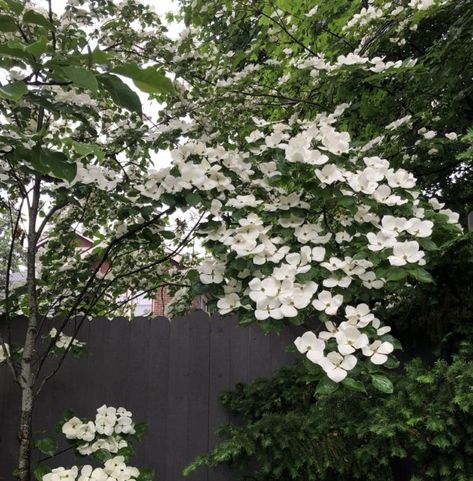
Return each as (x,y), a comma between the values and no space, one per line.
(169,374)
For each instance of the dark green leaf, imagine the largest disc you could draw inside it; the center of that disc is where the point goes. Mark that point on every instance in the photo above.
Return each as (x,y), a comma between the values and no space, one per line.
(14,91)
(140,430)
(16,50)
(14,6)
(7,24)
(81,77)
(37,48)
(354,385)
(145,475)
(193,199)
(149,79)
(428,245)
(396,274)
(127,452)
(120,92)
(421,275)
(167,234)
(53,163)
(87,149)
(382,383)
(392,363)
(103,455)
(47,445)
(40,470)
(36,18)
(395,342)
(326,386)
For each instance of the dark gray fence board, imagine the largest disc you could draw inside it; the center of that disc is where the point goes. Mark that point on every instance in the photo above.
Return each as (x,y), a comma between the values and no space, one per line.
(239,354)
(157,409)
(198,402)
(176,431)
(260,353)
(169,374)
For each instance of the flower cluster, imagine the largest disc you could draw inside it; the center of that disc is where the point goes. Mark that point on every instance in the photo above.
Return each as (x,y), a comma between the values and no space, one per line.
(345,225)
(115,469)
(107,431)
(351,335)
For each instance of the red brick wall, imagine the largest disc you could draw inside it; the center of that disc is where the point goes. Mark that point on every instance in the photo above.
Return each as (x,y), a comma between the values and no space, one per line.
(162,298)
(160,301)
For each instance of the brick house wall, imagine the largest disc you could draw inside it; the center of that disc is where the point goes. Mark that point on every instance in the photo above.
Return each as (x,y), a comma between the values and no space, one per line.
(162,298)
(155,306)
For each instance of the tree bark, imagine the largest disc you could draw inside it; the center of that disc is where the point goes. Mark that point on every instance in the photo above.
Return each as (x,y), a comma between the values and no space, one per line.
(27,377)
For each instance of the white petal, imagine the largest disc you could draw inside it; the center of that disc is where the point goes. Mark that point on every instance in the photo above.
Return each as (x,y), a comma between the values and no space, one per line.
(316,357)
(349,362)
(300,345)
(378,358)
(337,374)
(385,348)
(288,311)
(345,349)
(261,315)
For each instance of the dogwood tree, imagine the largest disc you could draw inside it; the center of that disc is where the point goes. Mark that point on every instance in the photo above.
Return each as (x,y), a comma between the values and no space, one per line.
(75,149)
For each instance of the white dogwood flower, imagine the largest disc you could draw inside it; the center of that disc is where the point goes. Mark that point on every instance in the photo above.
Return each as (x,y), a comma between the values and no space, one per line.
(62,474)
(228,303)
(337,366)
(328,303)
(350,339)
(406,252)
(378,351)
(72,428)
(211,272)
(310,345)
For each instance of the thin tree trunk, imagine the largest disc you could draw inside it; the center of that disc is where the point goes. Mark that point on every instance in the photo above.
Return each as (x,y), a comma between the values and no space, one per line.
(27,377)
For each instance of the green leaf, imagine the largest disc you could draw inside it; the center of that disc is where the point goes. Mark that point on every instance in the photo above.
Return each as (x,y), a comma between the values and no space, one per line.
(120,92)
(47,445)
(140,430)
(193,276)
(37,48)
(382,383)
(100,57)
(353,384)
(193,199)
(326,386)
(421,275)
(14,6)
(166,234)
(87,149)
(127,452)
(36,18)
(145,475)
(40,470)
(51,162)
(428,245)
(7,24)
(392,363)
(81,77)
(395,342)
(103,455)
(150,79)
(16,50)
(14,91)
(396,274)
